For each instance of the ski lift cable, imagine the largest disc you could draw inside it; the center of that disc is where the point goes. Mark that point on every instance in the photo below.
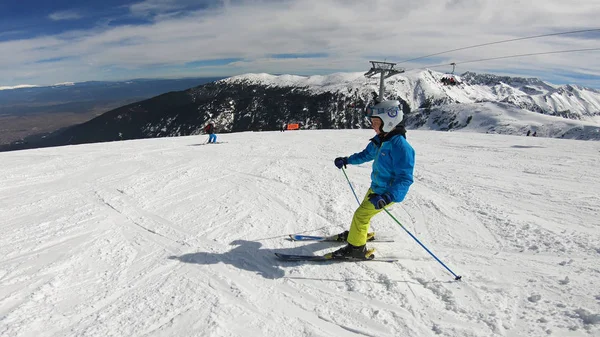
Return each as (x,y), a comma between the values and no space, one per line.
(531,54)
(508,56)
(503,41)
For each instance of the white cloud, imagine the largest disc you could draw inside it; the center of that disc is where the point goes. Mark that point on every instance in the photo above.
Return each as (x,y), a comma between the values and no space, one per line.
(158,7)
(65,15)
(349,31)
(152,6)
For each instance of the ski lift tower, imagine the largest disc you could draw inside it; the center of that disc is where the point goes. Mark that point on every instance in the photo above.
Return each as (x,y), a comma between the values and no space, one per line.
(386,69)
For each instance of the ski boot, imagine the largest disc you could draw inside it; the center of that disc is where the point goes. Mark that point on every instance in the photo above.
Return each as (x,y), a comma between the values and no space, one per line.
(343,236)
(350,252)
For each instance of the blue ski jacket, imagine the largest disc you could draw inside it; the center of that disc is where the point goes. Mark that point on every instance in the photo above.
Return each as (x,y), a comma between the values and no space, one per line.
(393,164)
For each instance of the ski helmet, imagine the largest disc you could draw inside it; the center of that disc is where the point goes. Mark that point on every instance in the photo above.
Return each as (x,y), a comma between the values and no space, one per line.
(390,113)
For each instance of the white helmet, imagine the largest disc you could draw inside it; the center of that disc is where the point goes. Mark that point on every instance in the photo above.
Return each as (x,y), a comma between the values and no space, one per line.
(390,113)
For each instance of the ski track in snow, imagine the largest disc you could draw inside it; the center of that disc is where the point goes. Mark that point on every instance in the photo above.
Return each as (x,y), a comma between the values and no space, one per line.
(161,237)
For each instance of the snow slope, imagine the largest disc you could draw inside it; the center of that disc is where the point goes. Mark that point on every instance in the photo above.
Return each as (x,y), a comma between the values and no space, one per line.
(169,237)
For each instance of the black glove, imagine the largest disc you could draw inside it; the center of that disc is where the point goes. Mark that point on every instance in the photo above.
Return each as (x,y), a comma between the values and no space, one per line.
(379,201)
(341,161)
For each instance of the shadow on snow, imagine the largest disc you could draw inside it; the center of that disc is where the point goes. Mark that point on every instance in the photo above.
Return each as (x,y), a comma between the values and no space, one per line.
(247,255)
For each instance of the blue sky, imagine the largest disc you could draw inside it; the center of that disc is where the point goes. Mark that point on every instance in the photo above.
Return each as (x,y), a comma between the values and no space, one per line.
(46,42)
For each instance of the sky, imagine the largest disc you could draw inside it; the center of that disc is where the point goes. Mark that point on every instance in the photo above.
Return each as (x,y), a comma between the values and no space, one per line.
(169,237)
(46,42)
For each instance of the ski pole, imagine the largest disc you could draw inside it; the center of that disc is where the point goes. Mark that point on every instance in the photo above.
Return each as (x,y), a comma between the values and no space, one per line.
(351,188)
(456,277)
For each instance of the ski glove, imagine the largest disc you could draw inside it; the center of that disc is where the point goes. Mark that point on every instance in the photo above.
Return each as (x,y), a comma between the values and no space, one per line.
(379,201)
(341,161)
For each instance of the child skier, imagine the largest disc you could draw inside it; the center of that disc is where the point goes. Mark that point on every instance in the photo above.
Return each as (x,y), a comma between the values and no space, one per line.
(393,164)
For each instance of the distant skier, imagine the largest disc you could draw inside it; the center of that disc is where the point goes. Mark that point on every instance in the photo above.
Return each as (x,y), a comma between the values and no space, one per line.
(535,133)
(528,133)
(210,130)
(393,165)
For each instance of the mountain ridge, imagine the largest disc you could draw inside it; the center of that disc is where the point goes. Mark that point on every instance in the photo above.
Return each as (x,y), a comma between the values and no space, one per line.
(259,102)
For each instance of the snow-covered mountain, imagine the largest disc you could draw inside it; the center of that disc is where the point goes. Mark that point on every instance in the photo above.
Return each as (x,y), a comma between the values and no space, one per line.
(254,102)
(417,88)
(500,104)
(501,118)
(169,237)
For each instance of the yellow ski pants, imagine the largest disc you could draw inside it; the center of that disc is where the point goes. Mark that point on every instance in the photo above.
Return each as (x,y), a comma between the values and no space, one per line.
(362,220)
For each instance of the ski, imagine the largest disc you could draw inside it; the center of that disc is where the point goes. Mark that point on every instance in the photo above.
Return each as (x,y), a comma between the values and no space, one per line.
(202,144)
(333,238)
(328,257)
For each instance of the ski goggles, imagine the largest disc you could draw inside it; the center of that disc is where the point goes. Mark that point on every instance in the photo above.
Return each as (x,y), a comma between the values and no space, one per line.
(371,110)
(375,111)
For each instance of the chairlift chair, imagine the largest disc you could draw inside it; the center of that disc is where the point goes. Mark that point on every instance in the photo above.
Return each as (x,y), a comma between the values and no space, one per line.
(451,79)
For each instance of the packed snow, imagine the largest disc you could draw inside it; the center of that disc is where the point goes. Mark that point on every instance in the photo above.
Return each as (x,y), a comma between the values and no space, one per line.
(173,237)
